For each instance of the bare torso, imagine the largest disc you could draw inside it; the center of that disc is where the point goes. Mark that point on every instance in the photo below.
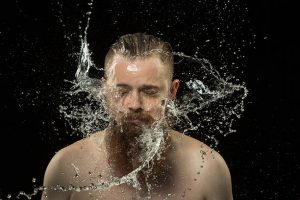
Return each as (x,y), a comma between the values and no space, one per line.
(185,176)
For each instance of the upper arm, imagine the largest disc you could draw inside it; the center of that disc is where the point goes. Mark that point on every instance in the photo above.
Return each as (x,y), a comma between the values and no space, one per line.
(217,179)
(56,174)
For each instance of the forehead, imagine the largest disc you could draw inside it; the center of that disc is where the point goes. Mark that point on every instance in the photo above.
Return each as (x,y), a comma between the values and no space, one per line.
(148,69)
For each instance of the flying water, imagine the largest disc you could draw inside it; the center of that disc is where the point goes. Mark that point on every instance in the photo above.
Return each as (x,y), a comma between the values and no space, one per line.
(208,107)
(207,95)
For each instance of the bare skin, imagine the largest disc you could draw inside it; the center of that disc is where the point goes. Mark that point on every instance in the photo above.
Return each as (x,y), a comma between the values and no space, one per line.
(195,172)
(188,169)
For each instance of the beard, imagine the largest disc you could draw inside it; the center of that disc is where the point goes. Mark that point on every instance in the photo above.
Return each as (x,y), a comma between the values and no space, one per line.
(133,124)
(132,138)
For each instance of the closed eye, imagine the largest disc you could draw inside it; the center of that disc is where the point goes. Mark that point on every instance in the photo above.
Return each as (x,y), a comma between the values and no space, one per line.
(122,91)
(152,91)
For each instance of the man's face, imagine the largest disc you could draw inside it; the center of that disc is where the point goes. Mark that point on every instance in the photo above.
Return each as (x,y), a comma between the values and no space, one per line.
(137,91)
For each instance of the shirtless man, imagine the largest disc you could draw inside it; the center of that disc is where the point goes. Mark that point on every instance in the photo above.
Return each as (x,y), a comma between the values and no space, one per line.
(112,164)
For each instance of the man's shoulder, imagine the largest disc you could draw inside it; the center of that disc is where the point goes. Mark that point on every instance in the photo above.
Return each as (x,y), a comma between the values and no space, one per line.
(188,143)
(81,145)
(199,159)
(67,160)
(196,151)
(70,153)
(63,157)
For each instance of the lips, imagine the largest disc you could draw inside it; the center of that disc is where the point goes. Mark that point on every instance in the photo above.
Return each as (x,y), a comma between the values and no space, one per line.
(138,119)
(135,121)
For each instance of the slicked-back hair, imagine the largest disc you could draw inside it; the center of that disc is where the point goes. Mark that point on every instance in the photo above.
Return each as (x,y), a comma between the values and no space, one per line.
(141,46)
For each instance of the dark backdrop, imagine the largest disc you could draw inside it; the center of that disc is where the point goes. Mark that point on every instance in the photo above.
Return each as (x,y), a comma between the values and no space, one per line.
(39,41)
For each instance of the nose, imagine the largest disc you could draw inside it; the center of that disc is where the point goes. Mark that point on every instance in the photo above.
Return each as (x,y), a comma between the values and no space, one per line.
(134,101)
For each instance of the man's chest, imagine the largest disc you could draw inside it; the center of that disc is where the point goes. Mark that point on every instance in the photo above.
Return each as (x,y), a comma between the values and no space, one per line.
(178,187)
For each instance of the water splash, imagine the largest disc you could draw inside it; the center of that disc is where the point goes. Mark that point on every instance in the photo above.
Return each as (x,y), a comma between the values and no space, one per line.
(209,106)
(91,113)
(210,97)
(216,103)
(213,103)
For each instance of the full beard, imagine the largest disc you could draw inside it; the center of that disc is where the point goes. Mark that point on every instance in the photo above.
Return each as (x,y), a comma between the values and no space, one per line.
(133,124)
(131,139)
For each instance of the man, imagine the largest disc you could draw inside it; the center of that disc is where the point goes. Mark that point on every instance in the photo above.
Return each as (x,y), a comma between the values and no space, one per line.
(139,155)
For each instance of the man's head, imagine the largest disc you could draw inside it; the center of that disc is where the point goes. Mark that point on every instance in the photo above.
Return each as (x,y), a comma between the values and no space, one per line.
(141,46)
(138,79)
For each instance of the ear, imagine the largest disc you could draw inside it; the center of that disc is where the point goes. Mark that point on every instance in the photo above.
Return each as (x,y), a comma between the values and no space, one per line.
(174,87)
(103,82)
(103,88)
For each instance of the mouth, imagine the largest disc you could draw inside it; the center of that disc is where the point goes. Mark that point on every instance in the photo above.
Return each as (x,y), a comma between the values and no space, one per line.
(136,121)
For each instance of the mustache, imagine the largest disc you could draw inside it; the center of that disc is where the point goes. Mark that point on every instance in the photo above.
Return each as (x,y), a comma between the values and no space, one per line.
(141,116)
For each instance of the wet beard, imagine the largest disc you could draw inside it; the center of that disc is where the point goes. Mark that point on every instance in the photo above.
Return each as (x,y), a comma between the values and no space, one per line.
(129,143)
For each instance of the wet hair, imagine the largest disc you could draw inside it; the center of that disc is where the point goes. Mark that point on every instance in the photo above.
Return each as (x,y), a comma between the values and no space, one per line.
(141,46)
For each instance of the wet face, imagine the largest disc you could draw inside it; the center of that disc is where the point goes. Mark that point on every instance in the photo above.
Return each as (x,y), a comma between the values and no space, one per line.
(137,90)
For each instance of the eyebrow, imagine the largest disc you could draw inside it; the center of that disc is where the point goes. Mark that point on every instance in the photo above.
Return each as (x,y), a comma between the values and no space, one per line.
(143,87)
(123,85)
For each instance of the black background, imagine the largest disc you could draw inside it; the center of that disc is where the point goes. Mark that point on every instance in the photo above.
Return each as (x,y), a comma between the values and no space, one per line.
(38,52)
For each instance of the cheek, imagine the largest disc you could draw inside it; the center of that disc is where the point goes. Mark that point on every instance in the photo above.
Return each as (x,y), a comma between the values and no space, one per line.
(154,106)
(116,105)
(113,104)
